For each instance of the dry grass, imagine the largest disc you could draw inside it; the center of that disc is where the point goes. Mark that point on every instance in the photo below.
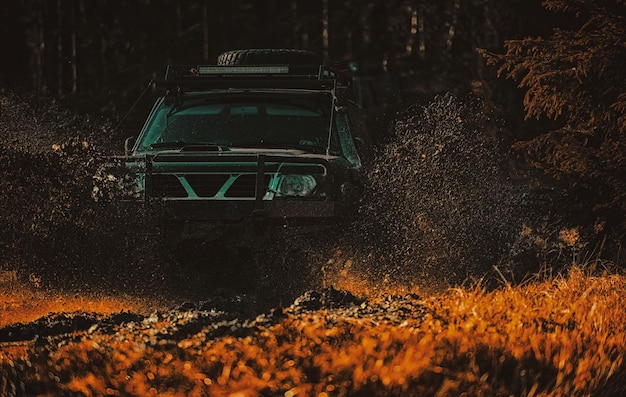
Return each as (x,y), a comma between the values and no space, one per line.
(23,303)
(562,337)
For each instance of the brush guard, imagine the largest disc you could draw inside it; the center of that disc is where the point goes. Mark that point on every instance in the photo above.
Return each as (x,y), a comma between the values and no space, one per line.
(201,187)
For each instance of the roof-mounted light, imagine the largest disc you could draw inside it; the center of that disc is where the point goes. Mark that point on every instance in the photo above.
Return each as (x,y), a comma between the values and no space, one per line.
(195,77)
(268,69)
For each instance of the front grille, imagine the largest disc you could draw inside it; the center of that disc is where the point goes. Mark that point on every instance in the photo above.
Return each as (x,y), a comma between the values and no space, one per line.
(209,177)
(245,186)
(159,185)
(206,185)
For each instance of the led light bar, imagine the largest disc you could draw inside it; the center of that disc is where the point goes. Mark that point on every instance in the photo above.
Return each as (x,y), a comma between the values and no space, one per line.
(269,69)
(195,77)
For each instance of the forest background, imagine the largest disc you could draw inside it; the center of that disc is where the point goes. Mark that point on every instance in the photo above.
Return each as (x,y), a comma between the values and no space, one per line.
(103,52)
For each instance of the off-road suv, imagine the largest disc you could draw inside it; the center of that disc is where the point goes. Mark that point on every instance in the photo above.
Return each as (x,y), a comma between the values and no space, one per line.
(251,141)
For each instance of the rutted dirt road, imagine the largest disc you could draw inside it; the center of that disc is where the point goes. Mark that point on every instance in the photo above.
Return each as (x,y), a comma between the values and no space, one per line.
(554,338)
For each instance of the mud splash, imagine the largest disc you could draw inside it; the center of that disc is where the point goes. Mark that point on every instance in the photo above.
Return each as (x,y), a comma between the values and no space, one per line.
(52,229)
(441,208)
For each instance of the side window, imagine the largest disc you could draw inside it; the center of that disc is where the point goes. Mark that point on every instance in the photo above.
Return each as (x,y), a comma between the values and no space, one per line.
(358,130)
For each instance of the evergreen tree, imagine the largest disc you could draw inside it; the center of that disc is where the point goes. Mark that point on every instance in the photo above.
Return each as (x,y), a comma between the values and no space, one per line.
(576,78)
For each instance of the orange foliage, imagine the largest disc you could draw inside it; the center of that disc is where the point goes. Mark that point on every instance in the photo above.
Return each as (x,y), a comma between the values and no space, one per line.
(561,337)
(25,303)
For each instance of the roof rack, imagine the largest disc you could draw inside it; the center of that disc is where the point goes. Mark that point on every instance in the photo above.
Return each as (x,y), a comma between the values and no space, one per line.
(248,76)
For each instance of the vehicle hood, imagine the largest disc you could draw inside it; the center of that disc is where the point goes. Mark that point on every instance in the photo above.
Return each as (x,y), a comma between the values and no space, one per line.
(233,153)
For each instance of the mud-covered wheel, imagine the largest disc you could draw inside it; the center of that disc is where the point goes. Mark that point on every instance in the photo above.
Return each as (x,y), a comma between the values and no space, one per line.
(269,56)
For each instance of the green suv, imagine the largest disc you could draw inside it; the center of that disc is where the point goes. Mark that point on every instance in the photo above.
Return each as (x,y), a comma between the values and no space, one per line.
(251,141)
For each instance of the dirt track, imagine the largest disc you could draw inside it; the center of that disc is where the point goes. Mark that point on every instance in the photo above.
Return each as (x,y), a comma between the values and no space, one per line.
(537,339)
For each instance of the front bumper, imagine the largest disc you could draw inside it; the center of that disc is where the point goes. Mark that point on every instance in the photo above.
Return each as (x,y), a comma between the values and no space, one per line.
(243,210)
(208,193)
(243,222)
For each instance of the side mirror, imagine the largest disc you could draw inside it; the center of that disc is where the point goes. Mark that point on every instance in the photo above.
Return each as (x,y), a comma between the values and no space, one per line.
(129,143)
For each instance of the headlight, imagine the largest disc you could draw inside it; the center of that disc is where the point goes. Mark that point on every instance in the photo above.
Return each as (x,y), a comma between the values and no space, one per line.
(296,186)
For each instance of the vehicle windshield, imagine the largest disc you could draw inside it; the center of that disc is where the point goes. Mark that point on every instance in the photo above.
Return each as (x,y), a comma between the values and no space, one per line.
(244,121)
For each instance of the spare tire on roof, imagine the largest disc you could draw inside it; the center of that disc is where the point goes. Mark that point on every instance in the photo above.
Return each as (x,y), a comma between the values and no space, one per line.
(276,56)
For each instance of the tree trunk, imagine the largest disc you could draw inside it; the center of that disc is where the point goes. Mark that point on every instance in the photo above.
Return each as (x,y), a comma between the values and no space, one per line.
(325,30)
(205,31)
(295,24)
(421,32)
(456,7)
(409,48)
(73,66)
(59,47)
(35,42)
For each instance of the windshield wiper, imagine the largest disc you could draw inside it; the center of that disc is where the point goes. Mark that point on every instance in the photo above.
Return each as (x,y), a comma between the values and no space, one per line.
(189,146)
(279,145)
